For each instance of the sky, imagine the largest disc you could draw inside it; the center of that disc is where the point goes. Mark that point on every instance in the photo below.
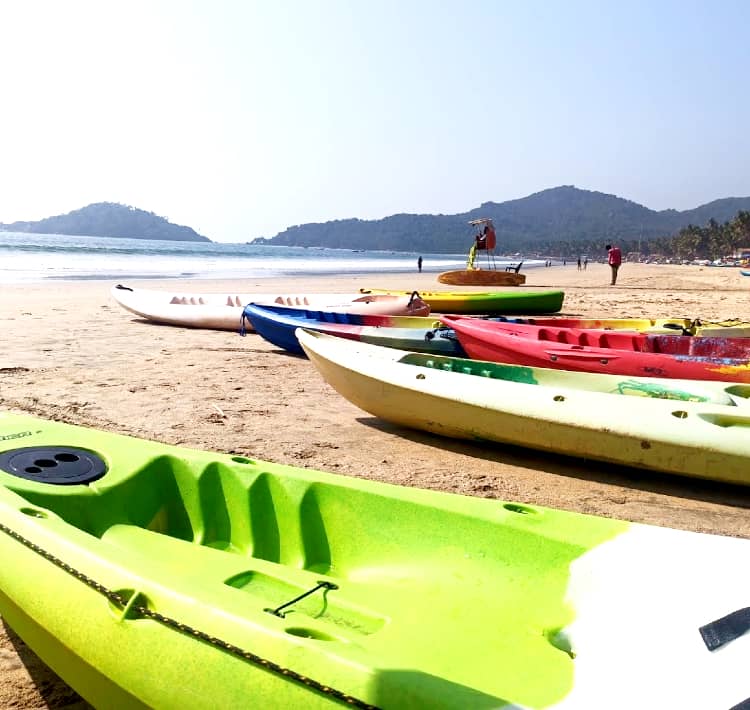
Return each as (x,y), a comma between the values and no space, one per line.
(241,118)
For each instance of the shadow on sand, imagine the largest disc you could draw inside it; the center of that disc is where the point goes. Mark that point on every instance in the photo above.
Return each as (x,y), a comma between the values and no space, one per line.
(52,690)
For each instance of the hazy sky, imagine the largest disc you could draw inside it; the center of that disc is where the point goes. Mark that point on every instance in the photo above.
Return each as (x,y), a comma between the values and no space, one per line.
(242,118)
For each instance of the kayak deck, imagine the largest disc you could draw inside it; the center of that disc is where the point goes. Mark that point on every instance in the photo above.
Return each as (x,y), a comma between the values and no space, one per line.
(215,542)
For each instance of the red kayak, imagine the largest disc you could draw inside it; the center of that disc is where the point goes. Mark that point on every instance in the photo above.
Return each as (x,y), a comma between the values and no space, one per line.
(604,351)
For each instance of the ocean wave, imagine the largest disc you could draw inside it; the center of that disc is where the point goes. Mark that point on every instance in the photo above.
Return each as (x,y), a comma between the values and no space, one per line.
(35,257)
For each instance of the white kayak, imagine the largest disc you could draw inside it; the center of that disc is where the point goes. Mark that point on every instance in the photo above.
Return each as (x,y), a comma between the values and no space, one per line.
(690,428)
(223,311)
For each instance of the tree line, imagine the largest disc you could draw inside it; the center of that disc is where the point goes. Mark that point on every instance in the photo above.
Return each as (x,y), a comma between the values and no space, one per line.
(713,241)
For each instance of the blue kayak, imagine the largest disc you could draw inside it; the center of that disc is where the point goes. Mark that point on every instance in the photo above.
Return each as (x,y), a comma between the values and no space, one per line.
(277,325)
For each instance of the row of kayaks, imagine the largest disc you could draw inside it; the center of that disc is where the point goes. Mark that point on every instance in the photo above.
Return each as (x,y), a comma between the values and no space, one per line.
(671,403)
(621,349)
(223,311)
(544,382)
(149,575)
(550,381)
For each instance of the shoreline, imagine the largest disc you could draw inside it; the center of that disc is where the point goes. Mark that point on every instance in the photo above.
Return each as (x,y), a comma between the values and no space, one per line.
(271,275)
(72,354)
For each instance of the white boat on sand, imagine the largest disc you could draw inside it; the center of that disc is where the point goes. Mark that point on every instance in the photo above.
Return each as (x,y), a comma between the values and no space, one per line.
(223,311)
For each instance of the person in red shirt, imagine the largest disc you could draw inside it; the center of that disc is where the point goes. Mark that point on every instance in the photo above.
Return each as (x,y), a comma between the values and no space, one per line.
(614,257)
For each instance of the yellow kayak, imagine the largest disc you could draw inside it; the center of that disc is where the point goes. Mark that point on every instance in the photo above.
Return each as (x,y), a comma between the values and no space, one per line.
(665,326)
(487,302)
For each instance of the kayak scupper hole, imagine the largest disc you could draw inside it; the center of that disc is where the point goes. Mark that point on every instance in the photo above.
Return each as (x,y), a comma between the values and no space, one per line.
(560,640)
(66,458)
(558,398)
(604,361)
(680,414)
(242,459)
(33,469)
(127,606)
(421,376)
(739,391)
(520,509)
(306,633)
(34,513)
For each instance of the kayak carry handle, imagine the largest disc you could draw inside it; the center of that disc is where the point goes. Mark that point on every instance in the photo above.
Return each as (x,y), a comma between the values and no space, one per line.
(321,585)
(677,326)
(730,627)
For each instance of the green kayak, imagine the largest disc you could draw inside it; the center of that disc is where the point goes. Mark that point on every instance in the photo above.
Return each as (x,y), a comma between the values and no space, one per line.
(148,575)
(486,302)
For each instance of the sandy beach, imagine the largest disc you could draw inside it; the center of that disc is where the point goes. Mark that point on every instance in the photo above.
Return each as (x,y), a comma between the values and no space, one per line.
(70,353)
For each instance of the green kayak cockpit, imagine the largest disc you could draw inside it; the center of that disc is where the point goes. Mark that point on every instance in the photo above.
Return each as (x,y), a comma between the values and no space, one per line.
(681,390)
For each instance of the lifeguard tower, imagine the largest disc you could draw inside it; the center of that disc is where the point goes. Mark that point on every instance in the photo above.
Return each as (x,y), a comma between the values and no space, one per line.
(484,273)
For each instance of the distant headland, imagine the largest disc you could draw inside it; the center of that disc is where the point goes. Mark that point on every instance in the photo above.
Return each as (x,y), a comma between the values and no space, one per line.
(109,219)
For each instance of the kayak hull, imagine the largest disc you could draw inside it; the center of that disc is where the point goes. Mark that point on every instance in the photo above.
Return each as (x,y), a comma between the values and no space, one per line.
(481,277)
(604,352)
(278,326)
(224,311)
(488,303)
(618,420)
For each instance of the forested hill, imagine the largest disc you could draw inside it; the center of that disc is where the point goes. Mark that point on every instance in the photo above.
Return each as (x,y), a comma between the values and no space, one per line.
(544,221)
(109,219)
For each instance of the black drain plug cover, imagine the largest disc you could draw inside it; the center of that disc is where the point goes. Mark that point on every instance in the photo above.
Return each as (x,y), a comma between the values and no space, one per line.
(62,465)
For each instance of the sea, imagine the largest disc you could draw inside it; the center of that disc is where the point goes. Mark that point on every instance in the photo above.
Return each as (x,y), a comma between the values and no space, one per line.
(27,258)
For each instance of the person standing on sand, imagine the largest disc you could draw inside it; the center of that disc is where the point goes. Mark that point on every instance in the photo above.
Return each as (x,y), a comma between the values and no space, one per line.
(585,263)
(614,257)
(419,264)
(579,263)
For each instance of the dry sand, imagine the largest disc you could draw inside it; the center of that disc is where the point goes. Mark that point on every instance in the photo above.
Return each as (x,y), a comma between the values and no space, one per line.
(70,353)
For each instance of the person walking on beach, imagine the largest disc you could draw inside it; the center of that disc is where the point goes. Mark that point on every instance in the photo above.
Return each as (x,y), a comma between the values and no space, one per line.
(614,257)
(579,263)
(419,264)
(585,263)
